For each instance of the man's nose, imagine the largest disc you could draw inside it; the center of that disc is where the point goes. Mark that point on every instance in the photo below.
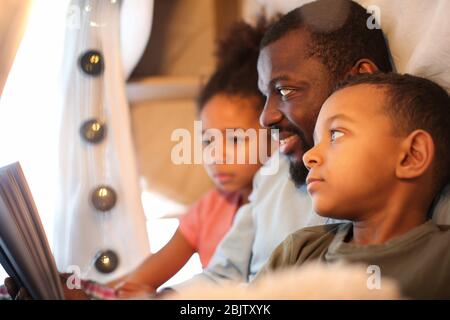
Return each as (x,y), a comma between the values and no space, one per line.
(270,115)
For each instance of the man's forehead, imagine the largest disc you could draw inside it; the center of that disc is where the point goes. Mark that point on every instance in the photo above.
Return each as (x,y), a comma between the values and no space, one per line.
(284,52)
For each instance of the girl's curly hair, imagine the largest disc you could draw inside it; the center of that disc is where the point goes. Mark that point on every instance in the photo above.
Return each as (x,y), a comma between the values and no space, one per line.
(237,56)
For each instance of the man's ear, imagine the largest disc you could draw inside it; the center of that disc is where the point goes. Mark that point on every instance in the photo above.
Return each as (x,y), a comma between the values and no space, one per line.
(362,66)
(417,154)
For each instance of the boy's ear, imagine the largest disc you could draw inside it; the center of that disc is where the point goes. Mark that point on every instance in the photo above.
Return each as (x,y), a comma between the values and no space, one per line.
(417,154)
(362,66)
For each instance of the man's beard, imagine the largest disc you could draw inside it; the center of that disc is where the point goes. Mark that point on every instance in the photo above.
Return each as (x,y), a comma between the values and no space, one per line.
(297,169)
(298,172)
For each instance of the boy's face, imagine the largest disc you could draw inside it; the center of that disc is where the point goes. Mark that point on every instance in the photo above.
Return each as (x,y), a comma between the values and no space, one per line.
(352,165)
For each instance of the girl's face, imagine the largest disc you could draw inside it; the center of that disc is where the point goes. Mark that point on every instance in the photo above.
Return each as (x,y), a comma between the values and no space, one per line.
(232,152)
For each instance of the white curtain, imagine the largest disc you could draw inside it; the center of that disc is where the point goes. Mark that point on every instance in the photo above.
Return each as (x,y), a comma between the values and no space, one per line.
(136,17)
(81,230)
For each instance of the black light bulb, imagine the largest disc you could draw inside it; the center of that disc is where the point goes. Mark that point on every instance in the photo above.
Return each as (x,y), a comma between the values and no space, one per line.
(91,62)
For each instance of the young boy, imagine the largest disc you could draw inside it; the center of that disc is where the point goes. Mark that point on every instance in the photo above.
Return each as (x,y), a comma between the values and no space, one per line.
(381,155)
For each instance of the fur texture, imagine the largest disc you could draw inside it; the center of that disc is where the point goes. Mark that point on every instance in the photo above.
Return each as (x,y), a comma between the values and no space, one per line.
(313,281)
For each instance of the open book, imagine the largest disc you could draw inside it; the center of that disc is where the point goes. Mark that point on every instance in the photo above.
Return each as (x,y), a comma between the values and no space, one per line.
(24,250)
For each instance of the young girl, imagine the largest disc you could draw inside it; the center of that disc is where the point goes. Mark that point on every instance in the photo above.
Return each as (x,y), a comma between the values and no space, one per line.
(230,100)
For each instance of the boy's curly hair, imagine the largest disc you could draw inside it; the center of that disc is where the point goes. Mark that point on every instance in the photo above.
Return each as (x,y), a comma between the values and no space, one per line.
(236,72)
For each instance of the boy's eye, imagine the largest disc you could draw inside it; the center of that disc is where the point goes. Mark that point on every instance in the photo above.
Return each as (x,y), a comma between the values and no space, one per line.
(335,134)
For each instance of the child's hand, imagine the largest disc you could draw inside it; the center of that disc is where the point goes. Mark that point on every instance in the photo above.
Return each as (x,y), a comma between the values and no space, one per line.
(113,284)
(126,289)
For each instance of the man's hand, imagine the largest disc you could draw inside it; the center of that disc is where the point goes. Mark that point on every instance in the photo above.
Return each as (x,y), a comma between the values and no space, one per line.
(71,294)
(16,292)
(19,293)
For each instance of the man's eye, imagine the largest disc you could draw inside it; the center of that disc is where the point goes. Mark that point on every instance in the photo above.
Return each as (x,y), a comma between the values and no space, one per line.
(284,92)
(335,134)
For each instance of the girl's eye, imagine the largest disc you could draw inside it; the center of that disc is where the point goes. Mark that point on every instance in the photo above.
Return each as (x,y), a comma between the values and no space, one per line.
(284,91)
(335,134)
(206,141)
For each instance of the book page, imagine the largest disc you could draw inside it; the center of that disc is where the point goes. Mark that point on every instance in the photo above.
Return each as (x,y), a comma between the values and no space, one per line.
(25,251)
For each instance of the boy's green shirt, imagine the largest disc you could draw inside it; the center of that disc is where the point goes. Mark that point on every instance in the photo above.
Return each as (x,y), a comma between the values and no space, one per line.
(419,261)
